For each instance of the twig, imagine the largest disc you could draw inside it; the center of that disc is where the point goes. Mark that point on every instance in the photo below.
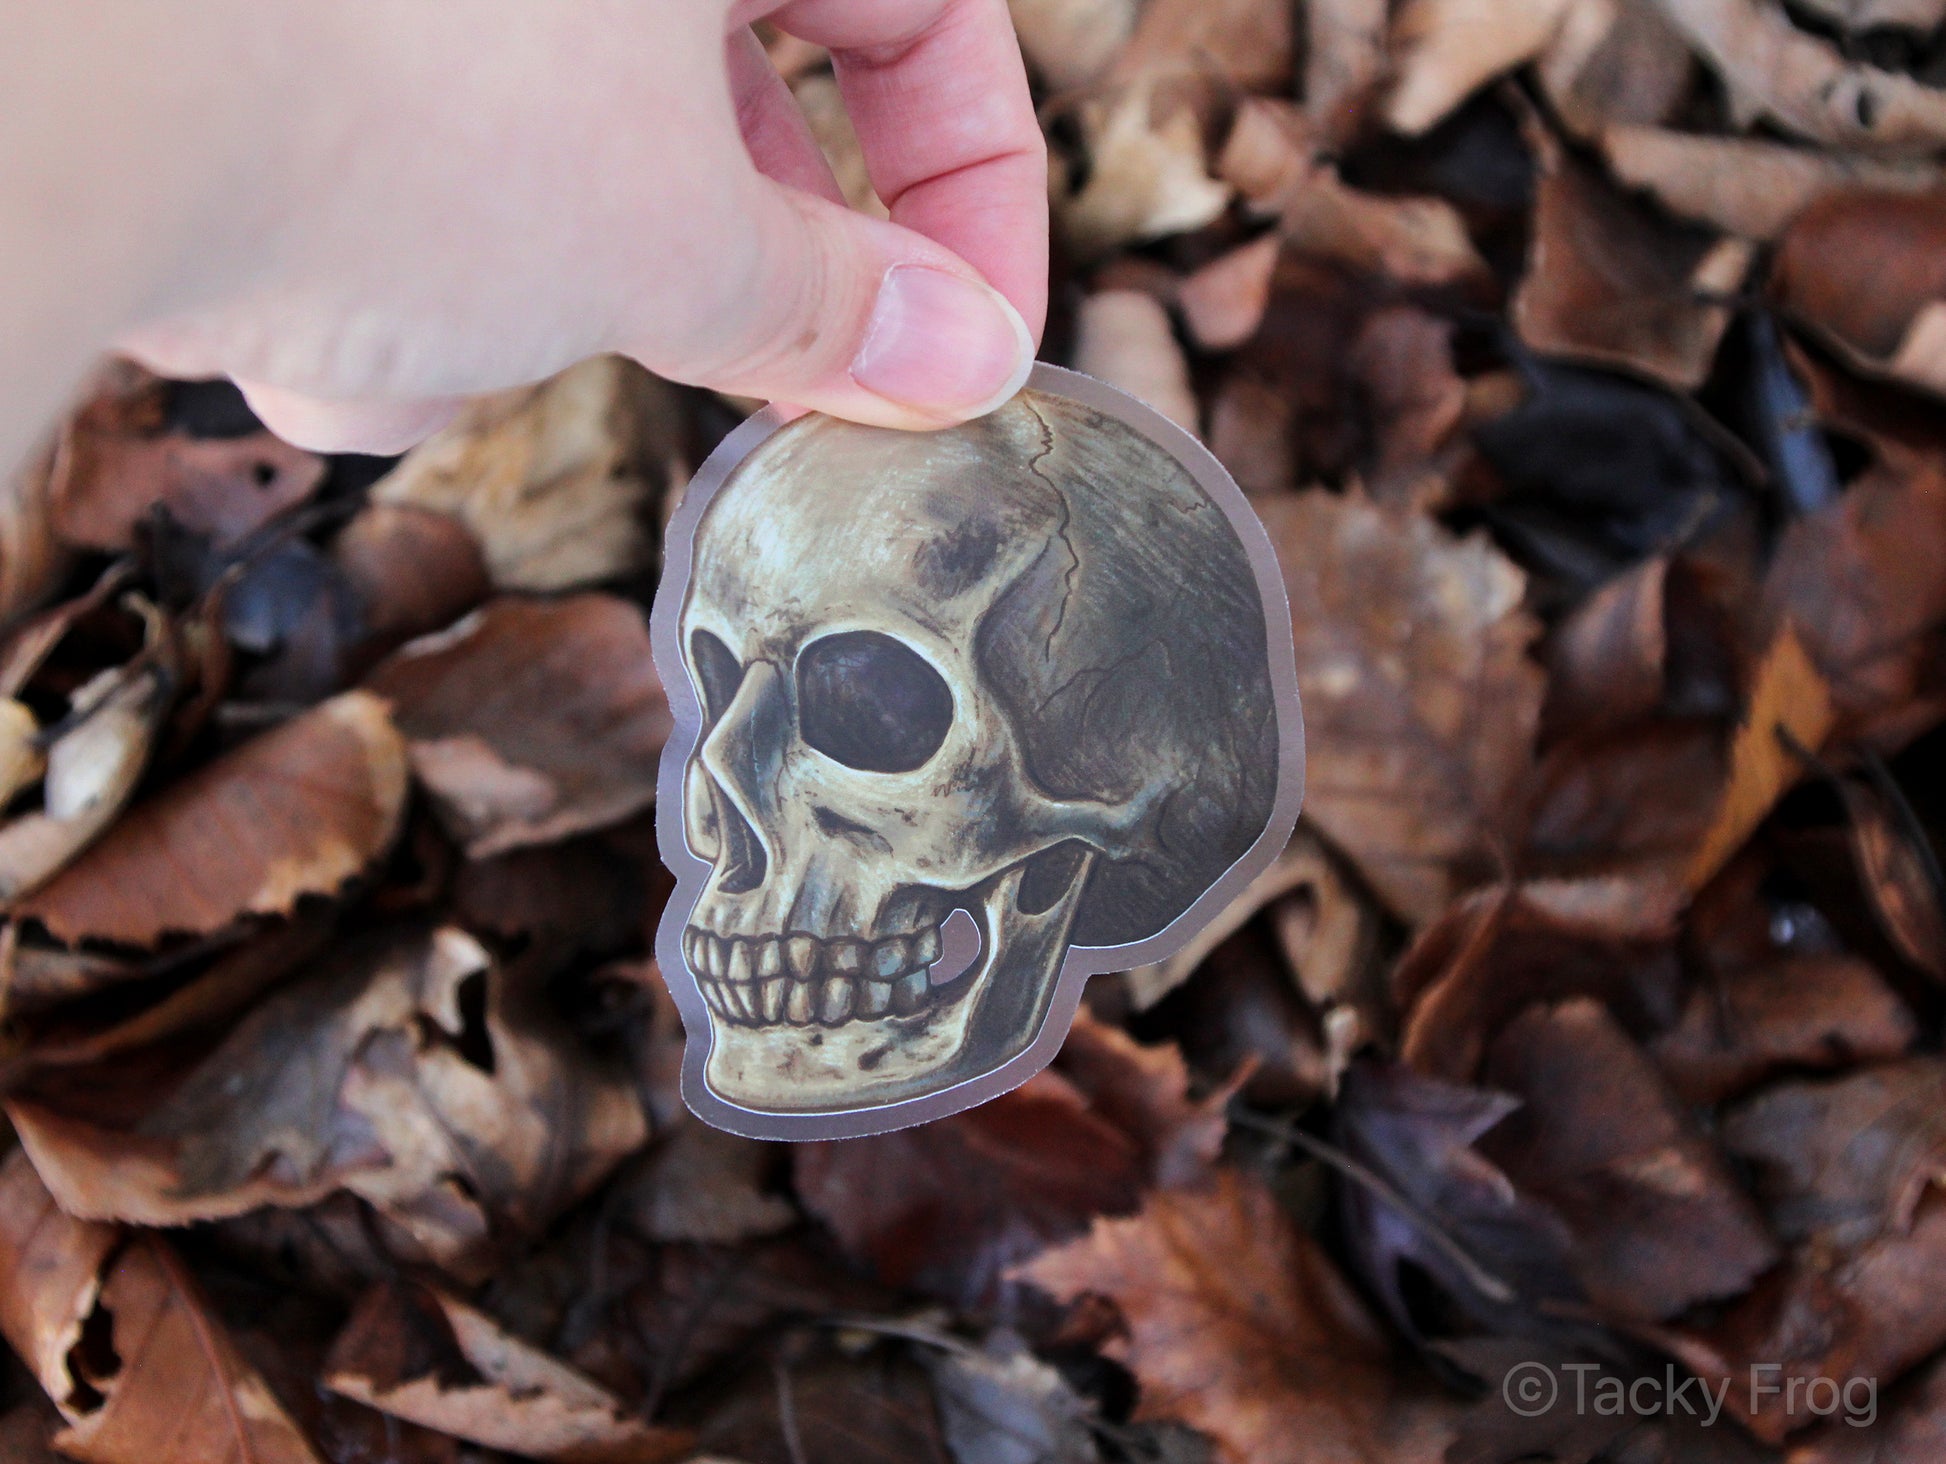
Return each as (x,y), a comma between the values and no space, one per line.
(1481,1279)
(787,1412)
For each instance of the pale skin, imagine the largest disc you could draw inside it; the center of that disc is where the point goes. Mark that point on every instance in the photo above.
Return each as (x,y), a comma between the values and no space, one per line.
(368,211)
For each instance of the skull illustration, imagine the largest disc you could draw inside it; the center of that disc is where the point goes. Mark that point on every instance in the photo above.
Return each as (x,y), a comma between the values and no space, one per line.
(1016,668)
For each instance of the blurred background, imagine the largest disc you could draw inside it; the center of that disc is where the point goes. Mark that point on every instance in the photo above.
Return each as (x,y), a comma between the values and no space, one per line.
(1583,359)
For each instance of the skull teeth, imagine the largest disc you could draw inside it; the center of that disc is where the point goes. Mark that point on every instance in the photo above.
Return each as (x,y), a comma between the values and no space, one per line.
(803,981)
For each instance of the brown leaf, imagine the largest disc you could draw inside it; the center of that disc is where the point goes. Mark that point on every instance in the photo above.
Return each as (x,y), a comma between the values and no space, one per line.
(1899,874)
(1609,280)
(413,571)
(298,810)
(948,1206)
(1344,59)
(1072,42)
(403,1069)
(1402,363)
(1806,1012)
(1658,1223)
(1747,186)
(421,1355)
(531,720)
(1420,699)
(1847,1159)
(1409,241)
(1446,49)
(125,1346)
(1890,320)
(90,774)
(1804,83)
(33,562)
(1614,63)
(702,1184)
(1237,1324)
(1790,713)
(1147,172)
(116,462)
(1910,1428)
(1223,302)
(1633,803)
(1606,660)
(1864,1315)
(557,482)
(1143,1090)
(1124,337)
(1244,43)
(1498,951)
(1268,153)
(1856,579)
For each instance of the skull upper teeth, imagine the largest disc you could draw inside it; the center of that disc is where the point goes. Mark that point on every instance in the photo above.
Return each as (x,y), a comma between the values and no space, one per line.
(802,980)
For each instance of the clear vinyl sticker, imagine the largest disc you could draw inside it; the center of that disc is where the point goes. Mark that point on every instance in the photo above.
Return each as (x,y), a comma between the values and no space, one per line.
(962,718)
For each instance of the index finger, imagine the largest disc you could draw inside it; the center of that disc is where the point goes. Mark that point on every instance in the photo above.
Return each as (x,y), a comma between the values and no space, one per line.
(938,95)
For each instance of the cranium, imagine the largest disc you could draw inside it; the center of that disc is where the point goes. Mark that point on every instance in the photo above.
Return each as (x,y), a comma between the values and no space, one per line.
(1016,668)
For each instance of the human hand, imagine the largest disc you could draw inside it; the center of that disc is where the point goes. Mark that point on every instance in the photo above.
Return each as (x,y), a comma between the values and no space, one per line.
(449,199)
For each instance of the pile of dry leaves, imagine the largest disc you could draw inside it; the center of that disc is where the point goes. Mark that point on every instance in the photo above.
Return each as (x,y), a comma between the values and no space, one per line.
(1583,358)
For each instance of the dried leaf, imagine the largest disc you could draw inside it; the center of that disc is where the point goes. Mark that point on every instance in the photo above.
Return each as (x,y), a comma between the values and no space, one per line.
(1304,865)
(1421,703)
(702,1184)
(1402,363)
(1002,1405)
(413,571)
(402,1069)
(1606,660)
(531,720)
(1886,320)
(1747,186)
(1072,42)
(33,562)
(1246,44)
(1238,1325)
(1790,713)
(947,1207)
(117,462)
(556,482)
(1498,951)
(1804,83)
(1856,582)
(419,1354)
(1658,1223)
(1808,1012)
(1147,173)
(123,1344)
(1615,62)
(1344,58)
(1223,302)
(1446,49)
(1124,338)
(1412,241)
(299,810)
(1608,280)
(1498,1254)
(92,771)
(1900,875)
(1270,150)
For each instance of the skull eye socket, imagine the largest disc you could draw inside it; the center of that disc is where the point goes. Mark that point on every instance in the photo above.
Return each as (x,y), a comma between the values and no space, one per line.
(871,703)
(717,669)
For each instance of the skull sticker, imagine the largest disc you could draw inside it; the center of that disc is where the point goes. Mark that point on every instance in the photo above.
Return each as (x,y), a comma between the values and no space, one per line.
(962,718)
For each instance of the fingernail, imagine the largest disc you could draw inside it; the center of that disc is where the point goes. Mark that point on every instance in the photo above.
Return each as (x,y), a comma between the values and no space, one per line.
(943,344)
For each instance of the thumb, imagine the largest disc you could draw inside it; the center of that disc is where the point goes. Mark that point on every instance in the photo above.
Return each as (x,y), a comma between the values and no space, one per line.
(856,317)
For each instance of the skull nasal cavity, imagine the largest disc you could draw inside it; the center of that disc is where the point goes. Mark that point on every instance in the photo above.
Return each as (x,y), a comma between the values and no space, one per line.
(871,702)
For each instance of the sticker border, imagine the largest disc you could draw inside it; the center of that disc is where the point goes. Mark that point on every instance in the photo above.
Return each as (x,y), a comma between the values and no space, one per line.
(692,871)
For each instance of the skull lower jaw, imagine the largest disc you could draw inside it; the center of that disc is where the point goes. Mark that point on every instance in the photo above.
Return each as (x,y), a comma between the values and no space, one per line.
(969,1026)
